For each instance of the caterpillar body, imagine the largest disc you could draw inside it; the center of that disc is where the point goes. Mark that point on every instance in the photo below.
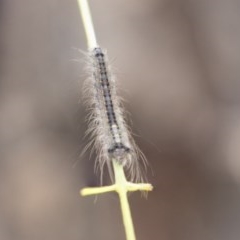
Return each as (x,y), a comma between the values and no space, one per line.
(107,126)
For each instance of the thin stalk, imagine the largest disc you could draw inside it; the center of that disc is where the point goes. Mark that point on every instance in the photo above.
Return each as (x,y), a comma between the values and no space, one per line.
(87,23)
(120,180)
(121,185)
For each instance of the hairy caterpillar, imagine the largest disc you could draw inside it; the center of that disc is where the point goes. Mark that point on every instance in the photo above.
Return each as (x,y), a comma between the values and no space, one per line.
(107,127)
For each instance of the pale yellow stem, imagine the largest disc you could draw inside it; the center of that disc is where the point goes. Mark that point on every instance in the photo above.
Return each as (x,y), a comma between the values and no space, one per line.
(122,189)
(87,23)
(121,185)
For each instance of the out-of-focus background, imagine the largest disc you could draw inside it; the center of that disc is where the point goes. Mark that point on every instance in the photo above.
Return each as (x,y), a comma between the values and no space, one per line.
(178,62)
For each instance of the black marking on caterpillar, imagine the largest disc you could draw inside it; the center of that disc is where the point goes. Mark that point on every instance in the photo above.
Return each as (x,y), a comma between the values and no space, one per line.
(107,127)
(118,149)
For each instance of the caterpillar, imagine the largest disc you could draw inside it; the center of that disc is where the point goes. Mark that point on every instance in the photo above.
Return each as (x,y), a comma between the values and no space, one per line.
(107,126)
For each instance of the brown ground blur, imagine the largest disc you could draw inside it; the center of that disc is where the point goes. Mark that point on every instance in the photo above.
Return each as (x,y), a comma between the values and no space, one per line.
(179,62)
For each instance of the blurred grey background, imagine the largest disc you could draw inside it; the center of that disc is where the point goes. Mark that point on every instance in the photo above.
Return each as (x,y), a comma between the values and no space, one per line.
(178,62)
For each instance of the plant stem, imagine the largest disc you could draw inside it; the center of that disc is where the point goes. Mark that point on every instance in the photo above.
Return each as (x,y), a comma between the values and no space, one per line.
(120,180)
(121,185)
(87,23)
